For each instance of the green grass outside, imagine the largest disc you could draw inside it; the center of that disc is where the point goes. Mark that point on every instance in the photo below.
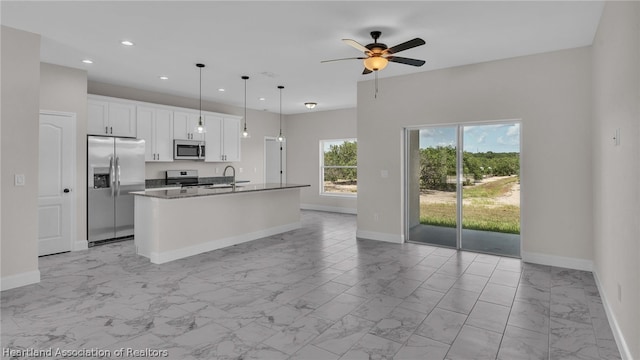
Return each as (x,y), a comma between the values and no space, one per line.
(481,214)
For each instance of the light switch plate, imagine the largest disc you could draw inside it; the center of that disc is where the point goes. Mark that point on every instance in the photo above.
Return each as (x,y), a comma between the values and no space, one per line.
(19,180)
(384,173)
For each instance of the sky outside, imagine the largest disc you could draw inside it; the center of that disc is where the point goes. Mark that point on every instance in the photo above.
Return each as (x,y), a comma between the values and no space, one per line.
(480,138)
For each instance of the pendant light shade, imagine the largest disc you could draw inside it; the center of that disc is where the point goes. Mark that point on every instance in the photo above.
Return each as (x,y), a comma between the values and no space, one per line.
(280,136)
(245,133)
(200,129)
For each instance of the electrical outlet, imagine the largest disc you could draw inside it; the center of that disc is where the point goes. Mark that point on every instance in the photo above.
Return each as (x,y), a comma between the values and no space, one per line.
(255,170)
(217,170)
(241,170)
(384,173)
(19,180)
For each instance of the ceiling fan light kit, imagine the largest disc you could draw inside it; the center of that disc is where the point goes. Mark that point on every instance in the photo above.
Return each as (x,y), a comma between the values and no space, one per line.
(379,55)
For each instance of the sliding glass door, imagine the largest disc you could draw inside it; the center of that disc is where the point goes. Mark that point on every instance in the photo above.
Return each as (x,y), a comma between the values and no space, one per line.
(463,187)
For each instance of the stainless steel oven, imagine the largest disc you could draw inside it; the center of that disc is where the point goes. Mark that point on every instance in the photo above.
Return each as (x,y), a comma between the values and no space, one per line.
(188,150)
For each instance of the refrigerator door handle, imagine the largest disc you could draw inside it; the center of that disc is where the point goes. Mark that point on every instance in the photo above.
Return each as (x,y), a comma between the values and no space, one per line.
(118,167)
(112,175)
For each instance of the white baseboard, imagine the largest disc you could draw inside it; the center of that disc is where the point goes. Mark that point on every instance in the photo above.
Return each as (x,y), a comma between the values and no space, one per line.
(18,280)
(623,346)
(335,209)
(372,235)
(79,245)
(558,261)
(166,256)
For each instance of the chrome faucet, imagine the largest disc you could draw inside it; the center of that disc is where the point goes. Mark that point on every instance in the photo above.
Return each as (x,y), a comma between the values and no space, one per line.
(233,182)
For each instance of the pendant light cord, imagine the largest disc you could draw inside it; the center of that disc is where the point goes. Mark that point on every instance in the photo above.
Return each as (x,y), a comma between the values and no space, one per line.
(245,105)
(201,93)
(375,95)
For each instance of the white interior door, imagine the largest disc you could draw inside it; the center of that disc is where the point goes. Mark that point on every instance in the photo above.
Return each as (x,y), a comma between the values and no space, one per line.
(56,182)
(275,161)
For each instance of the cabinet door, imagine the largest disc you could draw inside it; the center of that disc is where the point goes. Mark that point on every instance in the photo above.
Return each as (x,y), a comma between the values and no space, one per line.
(164,135)
(231,139)
(122,119)
(213,137)
(145,130)
(97,114)
(180,125)
(193,122)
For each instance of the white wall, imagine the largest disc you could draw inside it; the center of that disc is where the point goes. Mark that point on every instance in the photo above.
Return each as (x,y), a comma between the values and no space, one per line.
(259,124)
(304,132)
(20,118)
(65,89)
(616,169)
(549,92)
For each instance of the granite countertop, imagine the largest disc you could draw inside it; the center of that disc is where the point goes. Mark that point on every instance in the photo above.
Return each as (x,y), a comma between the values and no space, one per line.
(205,191)
(160,183)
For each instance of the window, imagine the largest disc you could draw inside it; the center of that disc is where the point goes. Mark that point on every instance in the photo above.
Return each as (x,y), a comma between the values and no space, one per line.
(338,167)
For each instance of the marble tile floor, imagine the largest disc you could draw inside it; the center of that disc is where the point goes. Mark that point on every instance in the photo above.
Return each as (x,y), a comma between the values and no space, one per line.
(313,293)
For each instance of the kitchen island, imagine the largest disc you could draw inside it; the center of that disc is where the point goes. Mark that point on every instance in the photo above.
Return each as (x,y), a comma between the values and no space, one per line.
(174,224)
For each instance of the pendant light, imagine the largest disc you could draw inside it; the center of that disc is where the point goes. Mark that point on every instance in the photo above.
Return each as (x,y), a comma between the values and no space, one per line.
(200,129)
(245,133)
(280,136)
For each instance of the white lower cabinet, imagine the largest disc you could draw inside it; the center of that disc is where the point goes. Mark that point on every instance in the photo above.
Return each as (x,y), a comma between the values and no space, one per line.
(155,126)
(222,139)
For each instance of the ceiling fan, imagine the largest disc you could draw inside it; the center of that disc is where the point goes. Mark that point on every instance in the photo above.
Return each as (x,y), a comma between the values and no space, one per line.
(379,55)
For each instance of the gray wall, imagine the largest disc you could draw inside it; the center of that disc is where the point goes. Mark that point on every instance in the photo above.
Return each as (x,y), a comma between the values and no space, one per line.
(20,118)
(64,89)
(550,93)
(304,132)
(616,169)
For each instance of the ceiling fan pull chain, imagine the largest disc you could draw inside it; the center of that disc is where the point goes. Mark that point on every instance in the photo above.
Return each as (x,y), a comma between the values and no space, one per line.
(376,93)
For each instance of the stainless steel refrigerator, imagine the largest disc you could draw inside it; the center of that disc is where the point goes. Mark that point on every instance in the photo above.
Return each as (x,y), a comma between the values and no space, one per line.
(115,167)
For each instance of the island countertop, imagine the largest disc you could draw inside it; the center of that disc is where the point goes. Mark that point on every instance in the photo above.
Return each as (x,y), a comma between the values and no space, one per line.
(215,190)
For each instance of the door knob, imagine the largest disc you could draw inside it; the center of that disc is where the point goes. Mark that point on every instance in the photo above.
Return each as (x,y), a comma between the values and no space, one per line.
(66,190)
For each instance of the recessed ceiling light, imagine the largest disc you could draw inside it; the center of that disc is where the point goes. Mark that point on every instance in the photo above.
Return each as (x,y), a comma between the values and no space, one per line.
(221,90)
(310,105)
(164,78)
(87,61)
(262,99)
(126,43)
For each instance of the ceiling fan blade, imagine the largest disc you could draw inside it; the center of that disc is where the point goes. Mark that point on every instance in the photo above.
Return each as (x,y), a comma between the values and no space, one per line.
(366,71)
(351,58)
(407,61)
(356,45)
(405,45)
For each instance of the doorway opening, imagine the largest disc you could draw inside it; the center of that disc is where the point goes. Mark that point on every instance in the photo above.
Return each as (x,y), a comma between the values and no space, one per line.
(463,187)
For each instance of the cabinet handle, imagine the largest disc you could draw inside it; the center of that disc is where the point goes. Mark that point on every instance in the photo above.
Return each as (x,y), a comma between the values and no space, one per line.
(106,129)
(111,128)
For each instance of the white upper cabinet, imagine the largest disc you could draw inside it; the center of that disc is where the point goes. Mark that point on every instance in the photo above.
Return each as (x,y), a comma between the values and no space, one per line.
(112,118)
(184,126)
(155,126)
(231,139)
(222,139)
(159,125)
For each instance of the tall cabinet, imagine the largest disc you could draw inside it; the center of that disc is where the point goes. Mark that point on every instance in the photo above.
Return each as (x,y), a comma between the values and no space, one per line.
(223,139)
(155,126)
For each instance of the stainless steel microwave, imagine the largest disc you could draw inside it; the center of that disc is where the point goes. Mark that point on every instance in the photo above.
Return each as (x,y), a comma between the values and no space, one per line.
(188,150)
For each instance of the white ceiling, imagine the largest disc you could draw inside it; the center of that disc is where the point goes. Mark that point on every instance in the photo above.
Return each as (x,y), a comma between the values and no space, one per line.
(282,43)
